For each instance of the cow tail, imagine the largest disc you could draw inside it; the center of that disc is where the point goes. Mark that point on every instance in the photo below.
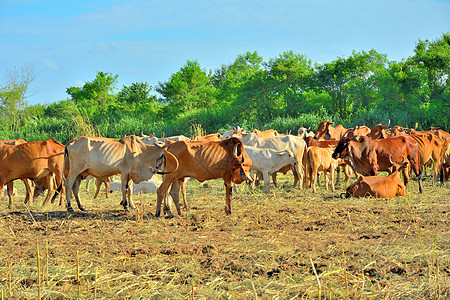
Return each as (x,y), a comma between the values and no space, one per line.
(58,190)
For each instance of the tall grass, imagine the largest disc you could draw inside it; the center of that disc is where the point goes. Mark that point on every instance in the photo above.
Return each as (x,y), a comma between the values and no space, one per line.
(76,123)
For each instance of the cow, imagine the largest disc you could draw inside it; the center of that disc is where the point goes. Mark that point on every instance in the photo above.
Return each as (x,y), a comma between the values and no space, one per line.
(310,141)
(357,130)
(368,156)
(268,161)
(378,131)
(327,132)
(445,166)
(295,144)
(4,144)
(33,160)
(319,159)
(104,157)
(154,140)
(144,187)
(233,131)
(209,137)
(266,133)
(303,132)
(380,186)
(438,132)
(430,150)
(205,161)
(98,184)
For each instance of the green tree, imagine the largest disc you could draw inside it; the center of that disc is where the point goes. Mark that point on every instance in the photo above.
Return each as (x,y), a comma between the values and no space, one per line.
(13,92)
(95,96)
(290,75)
(229,79)
(138,92)
(189,88)
(351,81)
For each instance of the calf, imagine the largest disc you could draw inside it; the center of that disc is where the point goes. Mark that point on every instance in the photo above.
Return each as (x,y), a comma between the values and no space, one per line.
(319,159)
(268,161)
(380,186)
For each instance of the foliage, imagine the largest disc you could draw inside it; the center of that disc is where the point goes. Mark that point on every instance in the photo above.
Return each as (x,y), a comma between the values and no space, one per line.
(283,93)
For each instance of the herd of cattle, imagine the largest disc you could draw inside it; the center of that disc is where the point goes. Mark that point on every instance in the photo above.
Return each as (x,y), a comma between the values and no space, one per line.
(236,156)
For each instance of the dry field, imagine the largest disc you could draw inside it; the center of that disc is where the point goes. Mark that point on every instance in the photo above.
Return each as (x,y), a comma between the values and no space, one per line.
(291,244)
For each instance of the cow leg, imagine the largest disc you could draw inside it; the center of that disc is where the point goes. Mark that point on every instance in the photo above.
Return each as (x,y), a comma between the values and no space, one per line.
(50,189)
(175,193)
(298,175)
(107,186)
(313,179)
(266,178)
(183,193)
(325,173)
(338,171)
(332,180)
(130,194)
(274,179)
(29,186)
(161,193)
(228,193)
(98,185)
(2,186)
(10,189)
(124,186)
(76,192)
(69,184)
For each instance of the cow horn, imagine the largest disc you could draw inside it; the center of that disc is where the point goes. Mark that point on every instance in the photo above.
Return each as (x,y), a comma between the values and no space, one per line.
(390,160)
(346,133)
(353,137)
(309,128)
(387,125)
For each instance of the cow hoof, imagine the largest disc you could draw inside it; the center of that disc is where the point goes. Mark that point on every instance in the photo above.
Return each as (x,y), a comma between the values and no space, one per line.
(82,208)
(127,209)
(70,209)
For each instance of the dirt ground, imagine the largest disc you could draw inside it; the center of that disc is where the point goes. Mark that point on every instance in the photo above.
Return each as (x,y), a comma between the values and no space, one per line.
(288,244)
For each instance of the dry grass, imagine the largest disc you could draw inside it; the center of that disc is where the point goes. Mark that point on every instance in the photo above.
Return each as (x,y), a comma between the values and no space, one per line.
(290,244)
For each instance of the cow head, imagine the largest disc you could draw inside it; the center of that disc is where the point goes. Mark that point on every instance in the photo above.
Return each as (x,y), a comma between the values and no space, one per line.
(322,130)
(378,131)
(240,163)
(341,149)
(397,166)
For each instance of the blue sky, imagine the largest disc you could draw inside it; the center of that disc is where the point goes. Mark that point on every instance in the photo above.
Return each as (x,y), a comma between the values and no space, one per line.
(67,42)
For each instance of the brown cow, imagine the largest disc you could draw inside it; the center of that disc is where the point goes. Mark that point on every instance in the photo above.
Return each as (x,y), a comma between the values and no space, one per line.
(226,159)
(378,131)
(327,132)
(33,160)
(357,130)
(319,159)
(266,133)
(209,137)
(380,186)
(368,156)
(430,149)
(445,167)
(10,186)
(310,141)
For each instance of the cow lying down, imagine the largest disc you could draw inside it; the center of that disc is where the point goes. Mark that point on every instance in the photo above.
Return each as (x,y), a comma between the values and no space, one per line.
(144,187)
(380,186)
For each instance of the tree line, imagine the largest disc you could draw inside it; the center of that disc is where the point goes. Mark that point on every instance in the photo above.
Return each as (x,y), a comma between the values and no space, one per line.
(283,93)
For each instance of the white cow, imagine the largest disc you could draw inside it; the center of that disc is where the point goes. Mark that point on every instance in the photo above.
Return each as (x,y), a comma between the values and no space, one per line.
(304,132)
(268,161)
(144,187)
(295,144)
(104,157)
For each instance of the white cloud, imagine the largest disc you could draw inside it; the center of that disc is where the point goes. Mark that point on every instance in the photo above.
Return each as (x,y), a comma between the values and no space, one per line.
(50,64)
